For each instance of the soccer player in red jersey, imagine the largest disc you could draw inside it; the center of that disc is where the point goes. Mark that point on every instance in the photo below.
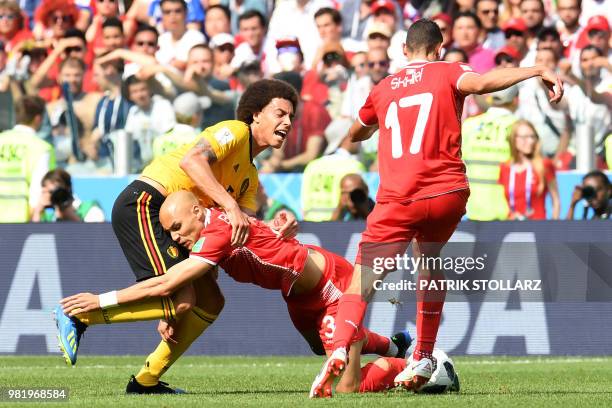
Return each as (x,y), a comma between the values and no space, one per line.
(310,278)
(423,187)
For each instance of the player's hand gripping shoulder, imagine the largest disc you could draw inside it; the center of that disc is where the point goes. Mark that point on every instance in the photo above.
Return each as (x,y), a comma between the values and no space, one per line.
(240,224)
(284,224)
(196,165)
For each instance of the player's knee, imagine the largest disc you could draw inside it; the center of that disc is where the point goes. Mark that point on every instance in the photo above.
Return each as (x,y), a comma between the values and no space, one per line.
(213,304)
(183,304)
(183,307)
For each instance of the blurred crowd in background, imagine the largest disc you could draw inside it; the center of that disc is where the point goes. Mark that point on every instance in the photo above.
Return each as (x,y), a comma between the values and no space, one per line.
(99,79)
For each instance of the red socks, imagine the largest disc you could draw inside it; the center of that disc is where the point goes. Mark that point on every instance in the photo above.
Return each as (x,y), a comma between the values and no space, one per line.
(351,310)
(376,344)
(429,313)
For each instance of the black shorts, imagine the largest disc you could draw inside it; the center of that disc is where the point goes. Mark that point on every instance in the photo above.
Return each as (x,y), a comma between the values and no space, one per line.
(149,249)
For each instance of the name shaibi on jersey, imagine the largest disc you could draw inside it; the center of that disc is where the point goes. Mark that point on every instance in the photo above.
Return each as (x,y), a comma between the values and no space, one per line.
(411,77)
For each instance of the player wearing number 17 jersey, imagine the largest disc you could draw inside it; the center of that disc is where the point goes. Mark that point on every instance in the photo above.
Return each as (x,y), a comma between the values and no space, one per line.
(423,187)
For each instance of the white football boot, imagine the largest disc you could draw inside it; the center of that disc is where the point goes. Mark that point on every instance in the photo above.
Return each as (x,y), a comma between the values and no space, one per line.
(416,374)
(333,368)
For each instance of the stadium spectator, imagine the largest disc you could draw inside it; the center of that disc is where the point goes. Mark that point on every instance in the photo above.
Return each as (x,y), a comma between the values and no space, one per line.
(326,82)
(188,108)
(57,202)
(533,14)
(223,52)
(378,65)
(150,116)
(24,161)
(67,153)
(297,19)
(105,10)
(201,67)
(252,29)
(507,56)
(528,177)
(379,36)
(43,81)
(111,112)
(357,89)
(112,36)
(194,13)
(547,37)
(383,11)
(329,24)
(596,190)
(384,14)
(354,203)
(217,21)
(445,23)
(13,29)
(491,36)
(239,7)
(72,72)
(289,55)
(54,18)
(460,6)
(378,69)
(484,148)
(568,24)
(246,75)
(455,55)
(510,9)
(588,107)
(321,184)
(551,121)
(178,39)
(142,54)
(592,8)
(598,34)
(515,31)
(356,15)
(466,32)
(26,59)
(145,41)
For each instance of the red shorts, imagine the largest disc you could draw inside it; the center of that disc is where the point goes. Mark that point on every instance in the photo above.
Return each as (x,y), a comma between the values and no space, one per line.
(317,309)
(430,220)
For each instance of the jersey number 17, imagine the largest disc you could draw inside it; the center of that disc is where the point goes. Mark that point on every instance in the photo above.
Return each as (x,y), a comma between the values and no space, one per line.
(423,101)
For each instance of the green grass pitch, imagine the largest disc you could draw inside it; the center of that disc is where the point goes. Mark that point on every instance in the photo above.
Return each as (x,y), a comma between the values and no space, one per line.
(285,381)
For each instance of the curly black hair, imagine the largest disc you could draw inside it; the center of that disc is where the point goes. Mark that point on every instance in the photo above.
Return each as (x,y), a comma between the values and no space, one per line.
(259,94)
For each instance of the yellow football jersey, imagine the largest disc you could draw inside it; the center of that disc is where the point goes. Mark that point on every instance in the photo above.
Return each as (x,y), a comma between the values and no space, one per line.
(234,168)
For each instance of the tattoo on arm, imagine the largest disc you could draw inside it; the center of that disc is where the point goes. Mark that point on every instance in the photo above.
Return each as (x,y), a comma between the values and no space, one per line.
(205,149)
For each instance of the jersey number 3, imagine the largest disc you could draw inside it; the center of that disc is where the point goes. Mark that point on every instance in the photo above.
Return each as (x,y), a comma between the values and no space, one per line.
(423,101)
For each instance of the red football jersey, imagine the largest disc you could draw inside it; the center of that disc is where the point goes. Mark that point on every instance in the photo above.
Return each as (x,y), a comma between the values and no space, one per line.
(418,111)
(264,260)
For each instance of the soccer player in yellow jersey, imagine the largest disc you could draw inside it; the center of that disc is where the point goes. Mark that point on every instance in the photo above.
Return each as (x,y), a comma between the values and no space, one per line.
(218,169)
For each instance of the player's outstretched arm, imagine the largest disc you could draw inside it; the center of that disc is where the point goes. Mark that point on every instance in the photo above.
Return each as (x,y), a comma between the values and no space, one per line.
(160,286)
(502,78)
